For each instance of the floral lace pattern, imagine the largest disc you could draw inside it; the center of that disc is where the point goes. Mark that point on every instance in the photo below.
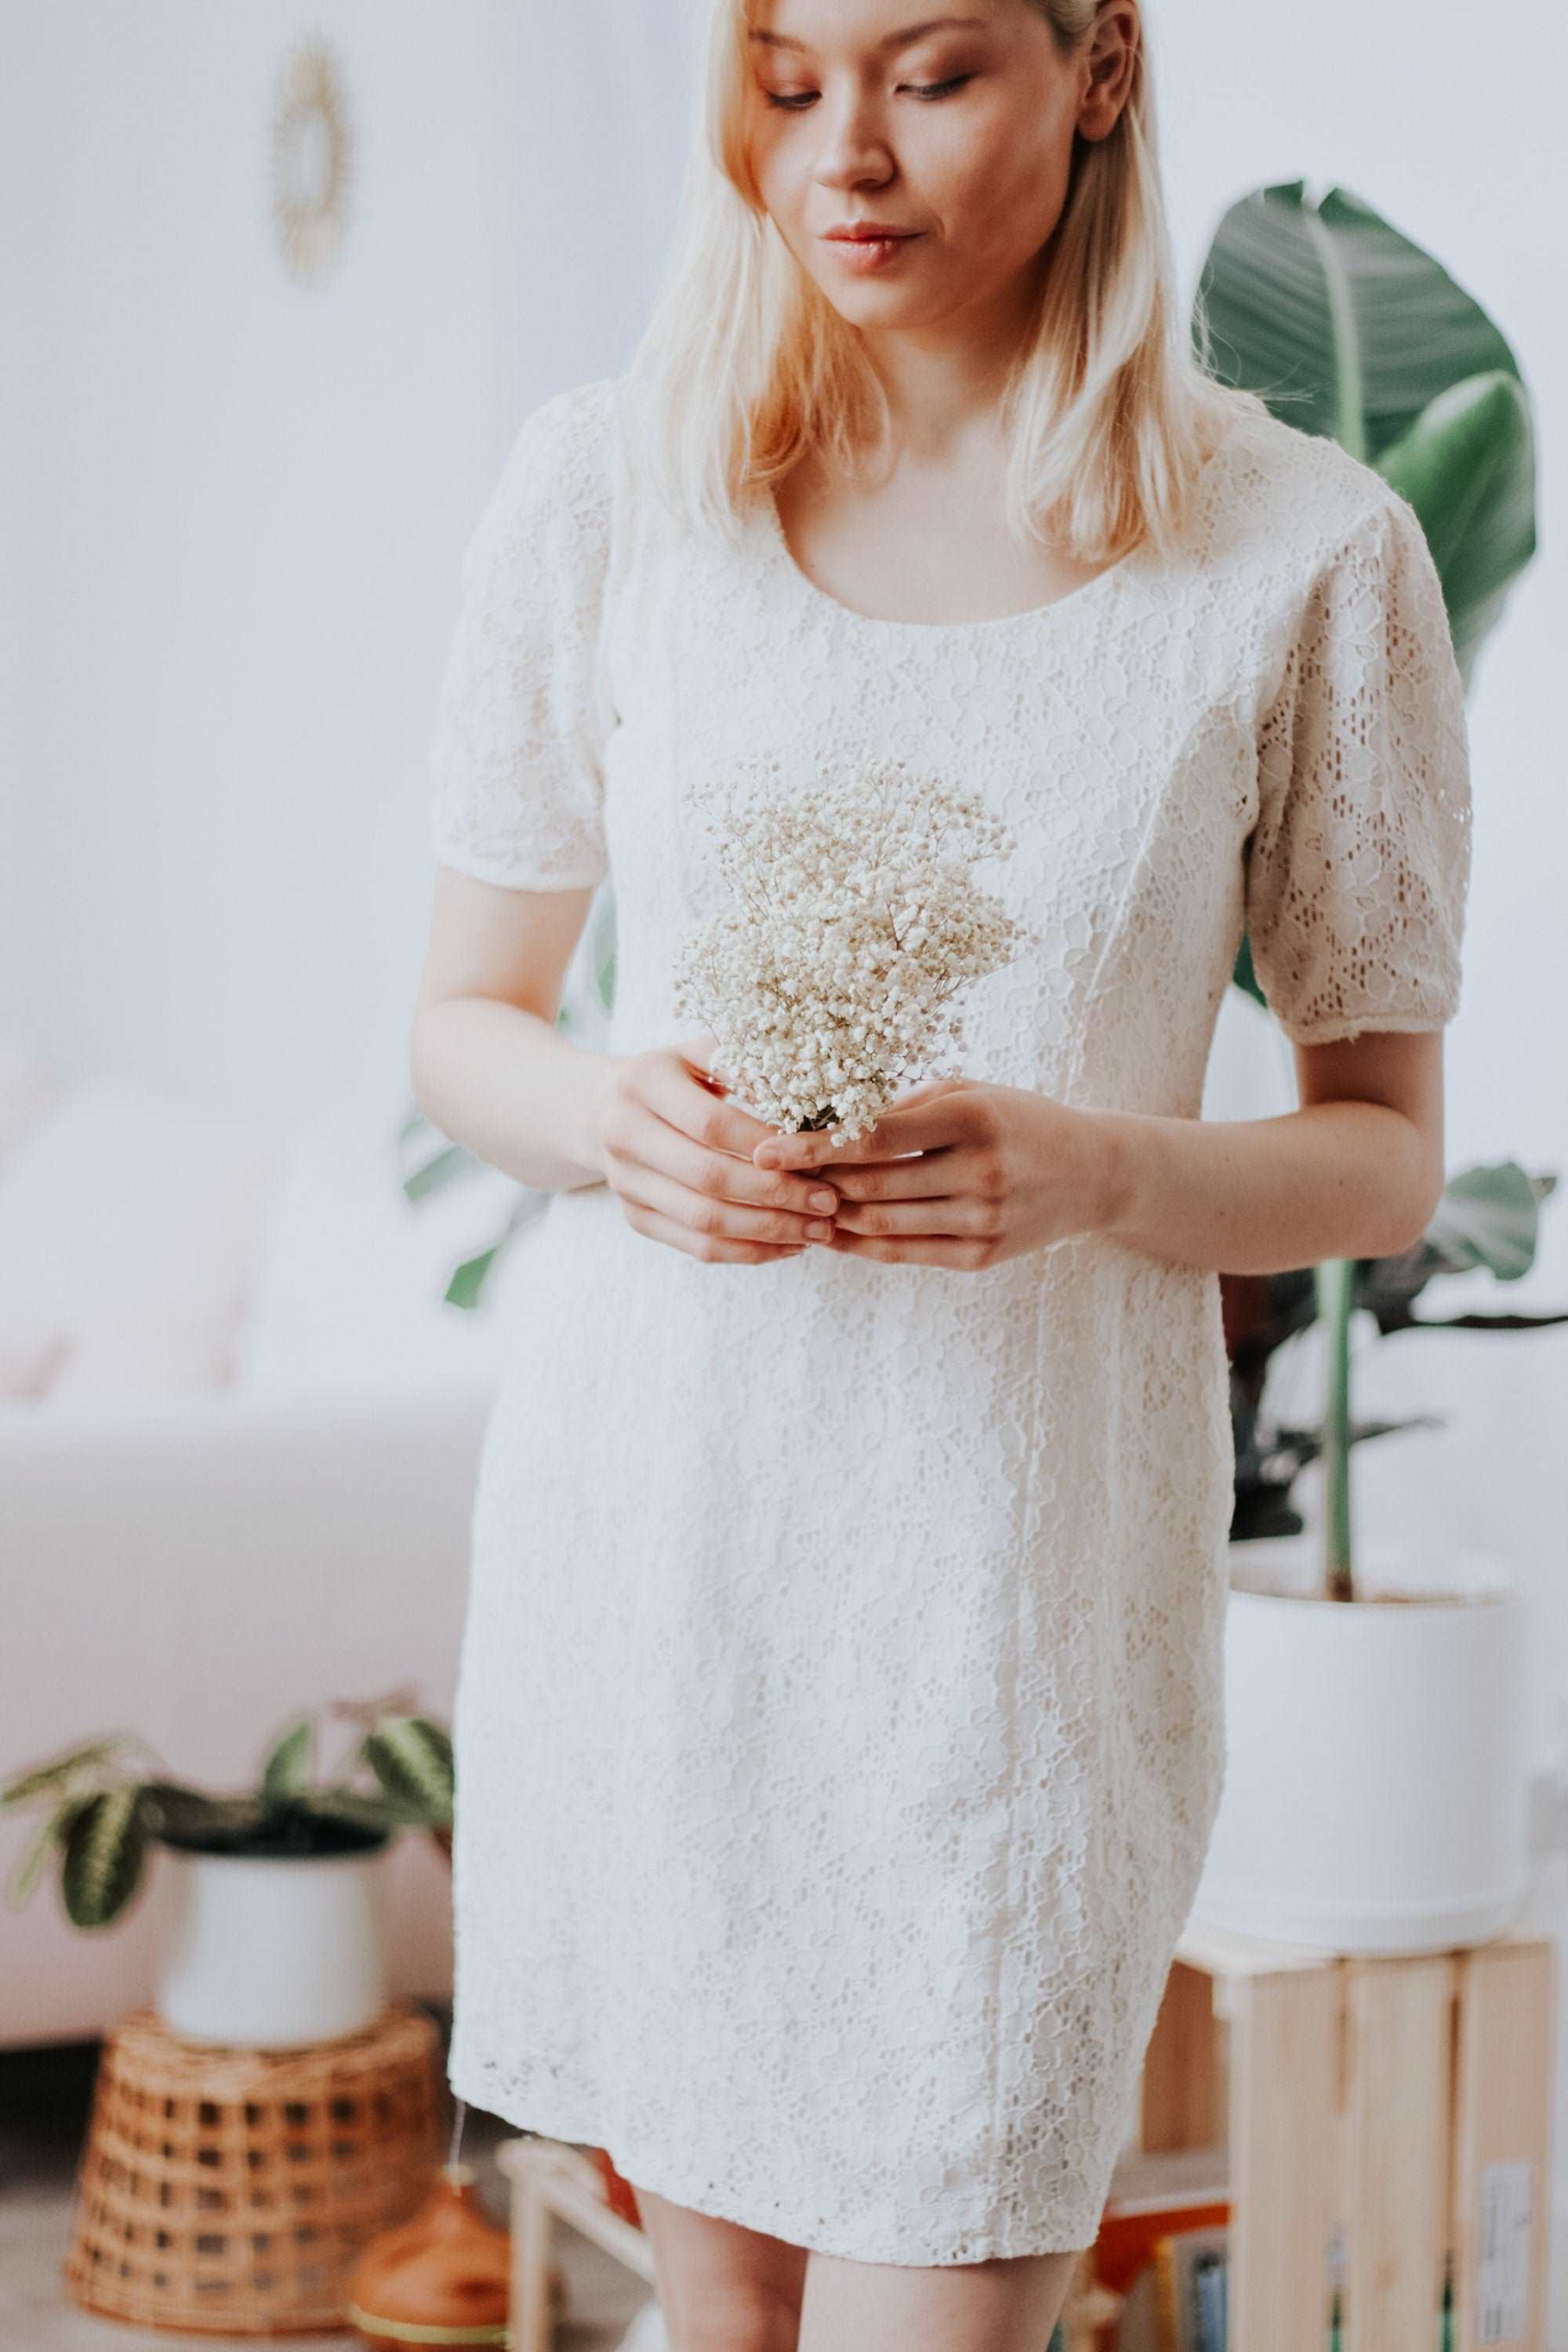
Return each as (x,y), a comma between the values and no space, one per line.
(839,1719)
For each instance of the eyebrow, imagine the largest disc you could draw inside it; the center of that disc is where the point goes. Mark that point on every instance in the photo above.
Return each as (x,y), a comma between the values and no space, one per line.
(889,40)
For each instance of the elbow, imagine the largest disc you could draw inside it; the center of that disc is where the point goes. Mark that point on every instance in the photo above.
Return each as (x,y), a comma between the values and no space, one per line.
(1419,1200)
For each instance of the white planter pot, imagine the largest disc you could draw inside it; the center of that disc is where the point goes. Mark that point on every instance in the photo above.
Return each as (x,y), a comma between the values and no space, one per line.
(268,1951)
(1376,1791)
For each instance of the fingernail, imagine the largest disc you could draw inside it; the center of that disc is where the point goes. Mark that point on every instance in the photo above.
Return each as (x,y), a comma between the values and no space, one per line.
(822,1200)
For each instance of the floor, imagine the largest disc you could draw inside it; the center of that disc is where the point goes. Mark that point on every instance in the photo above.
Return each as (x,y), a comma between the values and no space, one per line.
(45,2100)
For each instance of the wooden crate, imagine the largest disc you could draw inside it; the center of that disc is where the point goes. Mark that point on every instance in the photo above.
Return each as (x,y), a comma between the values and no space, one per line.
(1381,2120)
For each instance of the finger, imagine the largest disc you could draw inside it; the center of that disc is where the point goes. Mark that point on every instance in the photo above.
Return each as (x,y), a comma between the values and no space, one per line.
(653,1143)
(707,1213)
(686,1093)
(925,1175)
(922,1126)
(696,1051)
(957,1214)
(717,1248)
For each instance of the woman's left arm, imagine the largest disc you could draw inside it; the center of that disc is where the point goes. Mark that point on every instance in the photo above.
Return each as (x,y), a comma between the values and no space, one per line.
(965,1174)
(1355,1172)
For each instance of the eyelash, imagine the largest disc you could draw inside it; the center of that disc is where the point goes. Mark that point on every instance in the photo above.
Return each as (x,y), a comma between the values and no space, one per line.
(929,91)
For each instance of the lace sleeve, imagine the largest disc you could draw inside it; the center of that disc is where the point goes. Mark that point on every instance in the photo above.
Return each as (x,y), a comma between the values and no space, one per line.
(521,720)
(1358,866)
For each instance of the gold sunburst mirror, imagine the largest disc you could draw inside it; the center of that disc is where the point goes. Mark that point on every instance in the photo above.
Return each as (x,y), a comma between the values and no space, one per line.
(311,152)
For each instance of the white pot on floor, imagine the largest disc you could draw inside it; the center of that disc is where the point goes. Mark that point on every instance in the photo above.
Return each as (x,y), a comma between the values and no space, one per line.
(1377,1789)
(269,1952)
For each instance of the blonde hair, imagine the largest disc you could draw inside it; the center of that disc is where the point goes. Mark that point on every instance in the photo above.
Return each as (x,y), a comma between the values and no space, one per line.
(745,363)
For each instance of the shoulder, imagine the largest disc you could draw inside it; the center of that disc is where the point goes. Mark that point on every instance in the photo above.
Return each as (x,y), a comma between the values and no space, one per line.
(1306,496)
(574,429)
(555,491)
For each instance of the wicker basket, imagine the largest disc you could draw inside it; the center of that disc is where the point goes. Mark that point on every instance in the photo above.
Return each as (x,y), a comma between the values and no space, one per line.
(230,2191)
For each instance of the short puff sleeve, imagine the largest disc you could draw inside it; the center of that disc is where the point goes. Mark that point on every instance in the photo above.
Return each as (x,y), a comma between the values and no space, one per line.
(1358,864)
(516,749)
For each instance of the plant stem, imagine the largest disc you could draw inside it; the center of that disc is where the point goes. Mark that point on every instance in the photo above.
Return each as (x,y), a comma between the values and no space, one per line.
(1336,1291)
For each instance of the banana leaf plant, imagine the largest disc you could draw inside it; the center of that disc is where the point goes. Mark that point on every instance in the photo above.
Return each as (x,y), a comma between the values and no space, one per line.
(1344,327)
(103,1801)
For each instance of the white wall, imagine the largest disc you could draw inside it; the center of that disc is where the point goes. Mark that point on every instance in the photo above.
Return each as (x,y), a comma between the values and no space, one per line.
(233,510)
(233,506)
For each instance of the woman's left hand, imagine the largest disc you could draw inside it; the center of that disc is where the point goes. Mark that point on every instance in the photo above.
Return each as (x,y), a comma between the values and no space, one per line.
(994,1170)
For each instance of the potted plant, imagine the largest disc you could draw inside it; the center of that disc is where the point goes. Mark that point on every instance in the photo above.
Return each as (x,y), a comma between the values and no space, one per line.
(276,1929)
(1375,1797)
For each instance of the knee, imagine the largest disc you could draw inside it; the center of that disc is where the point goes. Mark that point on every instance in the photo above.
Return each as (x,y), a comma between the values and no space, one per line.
(744,2319)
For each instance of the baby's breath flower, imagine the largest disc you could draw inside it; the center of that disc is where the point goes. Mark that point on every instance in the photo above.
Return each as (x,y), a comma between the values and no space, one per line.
(853,921)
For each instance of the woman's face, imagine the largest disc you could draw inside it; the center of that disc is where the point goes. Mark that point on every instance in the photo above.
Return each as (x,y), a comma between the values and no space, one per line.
(957,127)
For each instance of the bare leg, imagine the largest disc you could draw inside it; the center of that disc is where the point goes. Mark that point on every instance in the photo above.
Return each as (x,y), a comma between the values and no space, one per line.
(1008,2305)
(722,2287)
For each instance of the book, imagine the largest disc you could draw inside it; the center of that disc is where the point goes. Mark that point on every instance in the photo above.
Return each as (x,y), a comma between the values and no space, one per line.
(1184,2314)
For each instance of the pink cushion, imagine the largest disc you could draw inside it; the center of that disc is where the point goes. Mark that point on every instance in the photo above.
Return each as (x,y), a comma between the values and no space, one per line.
(140,1349)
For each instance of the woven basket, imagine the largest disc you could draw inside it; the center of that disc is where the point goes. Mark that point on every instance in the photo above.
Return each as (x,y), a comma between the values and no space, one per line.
(230,2191)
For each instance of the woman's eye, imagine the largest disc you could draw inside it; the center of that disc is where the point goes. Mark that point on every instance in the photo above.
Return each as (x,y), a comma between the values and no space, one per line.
(929,90)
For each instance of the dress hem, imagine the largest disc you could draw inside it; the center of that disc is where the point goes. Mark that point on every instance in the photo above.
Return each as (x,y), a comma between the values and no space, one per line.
(665,2180)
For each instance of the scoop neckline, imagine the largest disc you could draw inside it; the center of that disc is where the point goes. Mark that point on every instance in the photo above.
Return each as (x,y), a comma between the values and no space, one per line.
(773,525)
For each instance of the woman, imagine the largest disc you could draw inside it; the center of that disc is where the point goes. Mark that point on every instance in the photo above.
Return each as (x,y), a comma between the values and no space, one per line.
(839,1731)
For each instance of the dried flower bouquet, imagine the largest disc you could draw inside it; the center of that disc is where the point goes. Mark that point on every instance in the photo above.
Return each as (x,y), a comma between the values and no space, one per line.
(853,922)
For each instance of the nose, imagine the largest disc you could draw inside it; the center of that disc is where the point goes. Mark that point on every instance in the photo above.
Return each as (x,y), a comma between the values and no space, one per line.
(854,149)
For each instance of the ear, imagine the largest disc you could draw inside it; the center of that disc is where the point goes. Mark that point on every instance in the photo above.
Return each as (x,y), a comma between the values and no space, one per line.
(1110,63)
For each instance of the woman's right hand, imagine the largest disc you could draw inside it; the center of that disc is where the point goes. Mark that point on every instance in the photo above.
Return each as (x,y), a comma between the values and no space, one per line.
(678,1154)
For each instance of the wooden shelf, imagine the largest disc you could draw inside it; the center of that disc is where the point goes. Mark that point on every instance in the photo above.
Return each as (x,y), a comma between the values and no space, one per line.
(1375,2120)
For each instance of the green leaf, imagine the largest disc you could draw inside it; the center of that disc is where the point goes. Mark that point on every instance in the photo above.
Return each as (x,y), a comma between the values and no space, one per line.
(1488,1217)
(105,1849)
(1244,976)
(443,1168)
(57,1771)
(463,1288)
(52,1831)
(469,1279)
(1343,325)
(412,1759)
(603,947)
(288,1769)
(1467,468)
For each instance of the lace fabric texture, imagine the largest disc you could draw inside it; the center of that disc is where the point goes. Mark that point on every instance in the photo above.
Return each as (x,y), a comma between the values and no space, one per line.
(839,1716)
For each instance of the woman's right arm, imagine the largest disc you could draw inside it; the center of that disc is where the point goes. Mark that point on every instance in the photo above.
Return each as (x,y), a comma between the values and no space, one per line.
(490,1067)
(485,1061)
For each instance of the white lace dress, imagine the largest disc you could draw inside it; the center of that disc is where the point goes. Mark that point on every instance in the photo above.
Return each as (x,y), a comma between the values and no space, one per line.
(839,1722)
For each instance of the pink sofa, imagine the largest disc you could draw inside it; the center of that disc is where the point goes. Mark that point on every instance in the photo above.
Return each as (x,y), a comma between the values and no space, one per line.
(238,1434)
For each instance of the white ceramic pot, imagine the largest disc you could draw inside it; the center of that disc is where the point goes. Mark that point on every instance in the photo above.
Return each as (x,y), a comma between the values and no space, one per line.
(271,1951)
(1376,1788)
